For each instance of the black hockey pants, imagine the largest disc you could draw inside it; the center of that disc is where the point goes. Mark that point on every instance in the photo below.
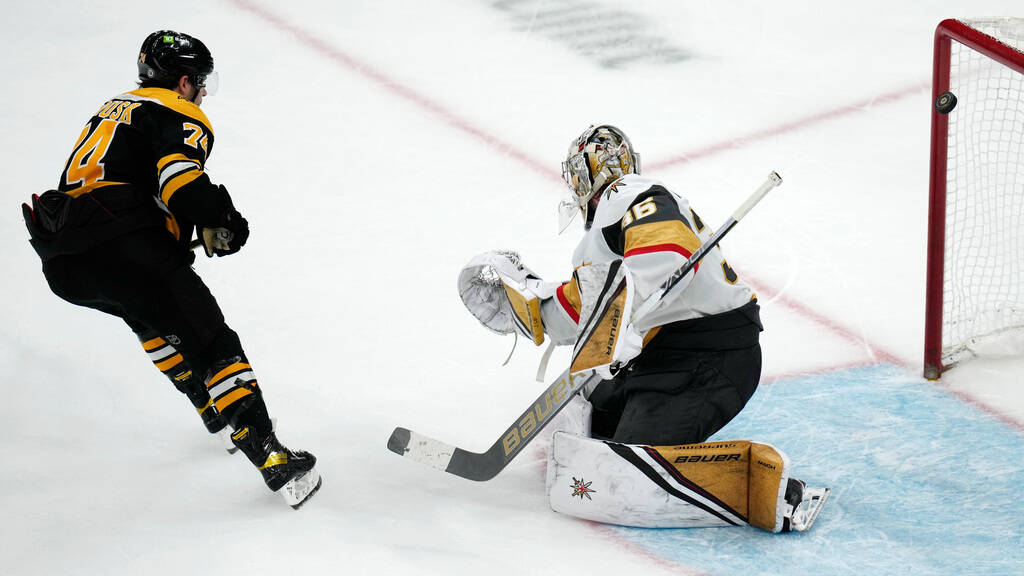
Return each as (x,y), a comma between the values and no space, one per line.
(688,383)
(146,279)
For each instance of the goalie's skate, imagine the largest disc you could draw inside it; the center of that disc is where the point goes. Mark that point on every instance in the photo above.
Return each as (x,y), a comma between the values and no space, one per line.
(807,511)
(805,505)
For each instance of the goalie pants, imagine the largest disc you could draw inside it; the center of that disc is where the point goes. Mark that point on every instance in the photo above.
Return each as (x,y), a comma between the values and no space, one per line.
(145,278)
(689,381)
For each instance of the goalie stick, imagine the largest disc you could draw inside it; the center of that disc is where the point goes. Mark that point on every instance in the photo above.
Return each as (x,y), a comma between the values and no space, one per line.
(481,466)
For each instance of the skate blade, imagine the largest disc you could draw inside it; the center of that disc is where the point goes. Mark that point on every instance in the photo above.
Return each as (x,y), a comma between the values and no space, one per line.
(300,489)
(225,440)
(227,430)
(807,512)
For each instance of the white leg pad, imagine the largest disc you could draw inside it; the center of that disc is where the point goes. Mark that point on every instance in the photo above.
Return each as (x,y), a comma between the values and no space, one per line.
(728,483)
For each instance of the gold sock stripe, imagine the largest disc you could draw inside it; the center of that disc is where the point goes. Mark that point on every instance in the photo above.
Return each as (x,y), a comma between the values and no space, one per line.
(169,363)
(153,344)
(231,397)
(227,372)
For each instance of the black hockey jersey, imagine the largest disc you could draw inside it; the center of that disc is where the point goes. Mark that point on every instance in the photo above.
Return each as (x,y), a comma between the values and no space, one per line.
(139,161)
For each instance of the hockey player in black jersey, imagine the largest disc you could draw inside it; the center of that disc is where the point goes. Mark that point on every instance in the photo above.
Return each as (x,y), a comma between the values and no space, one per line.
(116,233)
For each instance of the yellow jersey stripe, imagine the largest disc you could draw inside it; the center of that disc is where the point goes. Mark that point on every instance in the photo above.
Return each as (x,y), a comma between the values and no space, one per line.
(669,232)
(171,158)
(177,182)
(172,100)
(89,188)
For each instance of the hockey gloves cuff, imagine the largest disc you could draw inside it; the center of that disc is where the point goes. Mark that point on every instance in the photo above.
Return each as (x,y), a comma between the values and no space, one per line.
(229,236)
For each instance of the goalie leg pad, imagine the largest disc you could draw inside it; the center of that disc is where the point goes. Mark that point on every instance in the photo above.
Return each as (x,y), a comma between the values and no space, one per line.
(633,485)
(728,483)
(769,476)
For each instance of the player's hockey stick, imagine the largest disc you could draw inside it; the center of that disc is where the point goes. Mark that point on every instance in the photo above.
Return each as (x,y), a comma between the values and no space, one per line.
(486,465)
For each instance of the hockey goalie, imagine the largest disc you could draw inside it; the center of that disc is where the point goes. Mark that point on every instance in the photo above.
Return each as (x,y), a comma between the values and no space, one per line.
(634,452)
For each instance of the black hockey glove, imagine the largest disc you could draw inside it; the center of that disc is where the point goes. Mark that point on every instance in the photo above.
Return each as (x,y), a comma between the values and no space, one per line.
(230,235)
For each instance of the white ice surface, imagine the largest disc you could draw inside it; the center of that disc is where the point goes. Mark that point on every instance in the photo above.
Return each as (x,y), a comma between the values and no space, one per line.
(374,148)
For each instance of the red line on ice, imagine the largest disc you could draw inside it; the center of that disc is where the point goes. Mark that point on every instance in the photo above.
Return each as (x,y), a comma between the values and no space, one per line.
(450,118)
(499,145)
(787,127)
(396,88)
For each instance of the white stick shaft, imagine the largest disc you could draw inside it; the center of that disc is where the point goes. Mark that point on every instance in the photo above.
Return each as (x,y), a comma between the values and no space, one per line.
(773,180)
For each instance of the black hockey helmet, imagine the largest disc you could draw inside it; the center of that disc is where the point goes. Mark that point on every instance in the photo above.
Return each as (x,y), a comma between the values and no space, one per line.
(167,55)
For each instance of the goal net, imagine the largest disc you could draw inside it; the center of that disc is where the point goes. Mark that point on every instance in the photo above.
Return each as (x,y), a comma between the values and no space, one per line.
(975,291)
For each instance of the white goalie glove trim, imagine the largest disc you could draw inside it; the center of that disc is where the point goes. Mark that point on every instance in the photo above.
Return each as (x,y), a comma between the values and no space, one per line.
(503,294)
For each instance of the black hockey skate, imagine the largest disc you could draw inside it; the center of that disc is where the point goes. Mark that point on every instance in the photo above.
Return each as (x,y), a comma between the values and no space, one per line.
(292,472)
(212,419)
(197,394)
(803,505)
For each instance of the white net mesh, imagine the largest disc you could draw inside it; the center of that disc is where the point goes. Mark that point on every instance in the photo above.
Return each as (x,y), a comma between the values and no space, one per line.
(983,290)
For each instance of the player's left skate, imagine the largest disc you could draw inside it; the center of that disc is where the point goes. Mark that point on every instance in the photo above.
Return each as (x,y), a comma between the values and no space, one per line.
(293,473)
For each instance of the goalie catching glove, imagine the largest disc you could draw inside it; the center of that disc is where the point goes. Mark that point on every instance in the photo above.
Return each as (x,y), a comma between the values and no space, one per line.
(606,340)
(504,295)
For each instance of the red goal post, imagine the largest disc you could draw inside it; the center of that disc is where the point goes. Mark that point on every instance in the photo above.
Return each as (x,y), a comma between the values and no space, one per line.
(975,273)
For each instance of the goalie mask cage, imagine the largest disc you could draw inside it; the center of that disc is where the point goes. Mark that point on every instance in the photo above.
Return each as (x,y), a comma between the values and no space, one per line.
(975,282)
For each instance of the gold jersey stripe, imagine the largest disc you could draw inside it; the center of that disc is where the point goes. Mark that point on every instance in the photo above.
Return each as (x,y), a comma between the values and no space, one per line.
(177,182)
(174,101)
(661,233)
(173,158)
(90,187)
(172,226)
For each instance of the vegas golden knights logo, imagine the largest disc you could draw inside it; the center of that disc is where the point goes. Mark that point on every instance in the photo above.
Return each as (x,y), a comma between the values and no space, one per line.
(582,489)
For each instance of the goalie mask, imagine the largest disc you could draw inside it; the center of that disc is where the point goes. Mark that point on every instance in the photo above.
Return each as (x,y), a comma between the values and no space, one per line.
(600,156)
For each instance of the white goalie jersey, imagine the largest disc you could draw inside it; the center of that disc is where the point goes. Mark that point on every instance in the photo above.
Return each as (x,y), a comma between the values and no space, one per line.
(654,231)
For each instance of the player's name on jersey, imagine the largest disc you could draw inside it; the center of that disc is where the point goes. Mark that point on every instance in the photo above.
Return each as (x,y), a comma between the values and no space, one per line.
(118,110)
